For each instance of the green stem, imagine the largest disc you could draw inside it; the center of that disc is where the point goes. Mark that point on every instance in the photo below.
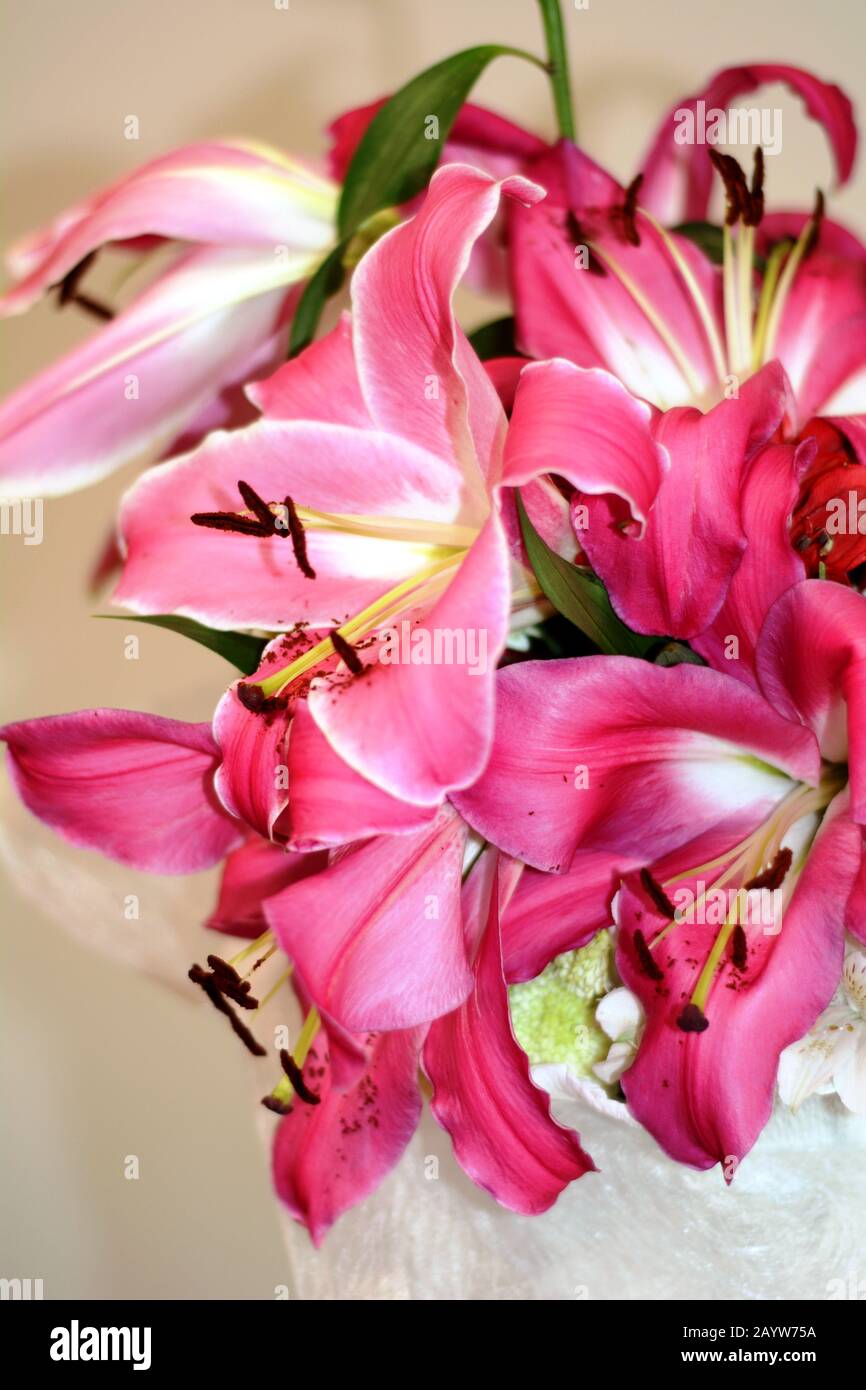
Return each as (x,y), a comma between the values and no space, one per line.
(557,66)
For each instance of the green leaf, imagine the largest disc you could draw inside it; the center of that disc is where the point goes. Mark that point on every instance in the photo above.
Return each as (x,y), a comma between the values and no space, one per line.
(495,339)
(327,280)
(239,648)
(395,159)
(678,654)
(706,236)
(711,240)
(579,595)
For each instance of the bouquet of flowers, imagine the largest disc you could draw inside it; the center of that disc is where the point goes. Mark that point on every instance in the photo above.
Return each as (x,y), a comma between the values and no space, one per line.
(539,775)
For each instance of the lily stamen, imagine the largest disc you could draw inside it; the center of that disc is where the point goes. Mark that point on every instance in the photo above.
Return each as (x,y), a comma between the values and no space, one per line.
(213,985)
(673,346)
(802,247)
(694,289)
(388,606)
(293,1066)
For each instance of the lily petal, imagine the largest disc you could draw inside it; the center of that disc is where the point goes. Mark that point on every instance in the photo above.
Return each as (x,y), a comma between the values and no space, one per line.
(328,1157)
(705,1096)
(331,804)
(220,193)
(137,787)
(146,376)
(320,384)
(438,730)
(351,930)
(678,177)
(418,374)
(588,290)
(499,1120)
(674,578)
(770,564)
(585,426)
(549,914)
(614,753)
(255,871)
(229,580)
(811,667)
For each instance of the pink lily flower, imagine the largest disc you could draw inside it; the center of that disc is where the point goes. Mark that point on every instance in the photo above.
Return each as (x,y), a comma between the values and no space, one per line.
(735,808)
(599,281)
(478,137)
(249,224)
(676,177)
(381,458)
(675,328)
(380,947)
(358,1104)
(650,307)
(159,797)
(329,1155)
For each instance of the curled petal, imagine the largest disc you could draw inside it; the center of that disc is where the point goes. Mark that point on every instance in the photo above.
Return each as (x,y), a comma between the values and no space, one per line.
(678,177)
(585,426)
(418,374)
(253,777)
(769,566)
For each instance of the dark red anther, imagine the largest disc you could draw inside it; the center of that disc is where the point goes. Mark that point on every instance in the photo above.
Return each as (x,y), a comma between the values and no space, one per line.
(263,523)
(346,652)
(222,967)
(815,227)
(737,196)
(774,876)
(580,241)
(260,509)
(693,1020)
(69,293)
(239,993)
(210,985)
(658,894)
(629,212)
(229,521)
(648,966)
(756,193)
(279,1107)
(296,1076)
(299,539)
(67,288)
(254,699)
(739,948)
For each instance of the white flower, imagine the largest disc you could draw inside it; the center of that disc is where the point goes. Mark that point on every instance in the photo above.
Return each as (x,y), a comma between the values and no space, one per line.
(621,1017)
(832,1056)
